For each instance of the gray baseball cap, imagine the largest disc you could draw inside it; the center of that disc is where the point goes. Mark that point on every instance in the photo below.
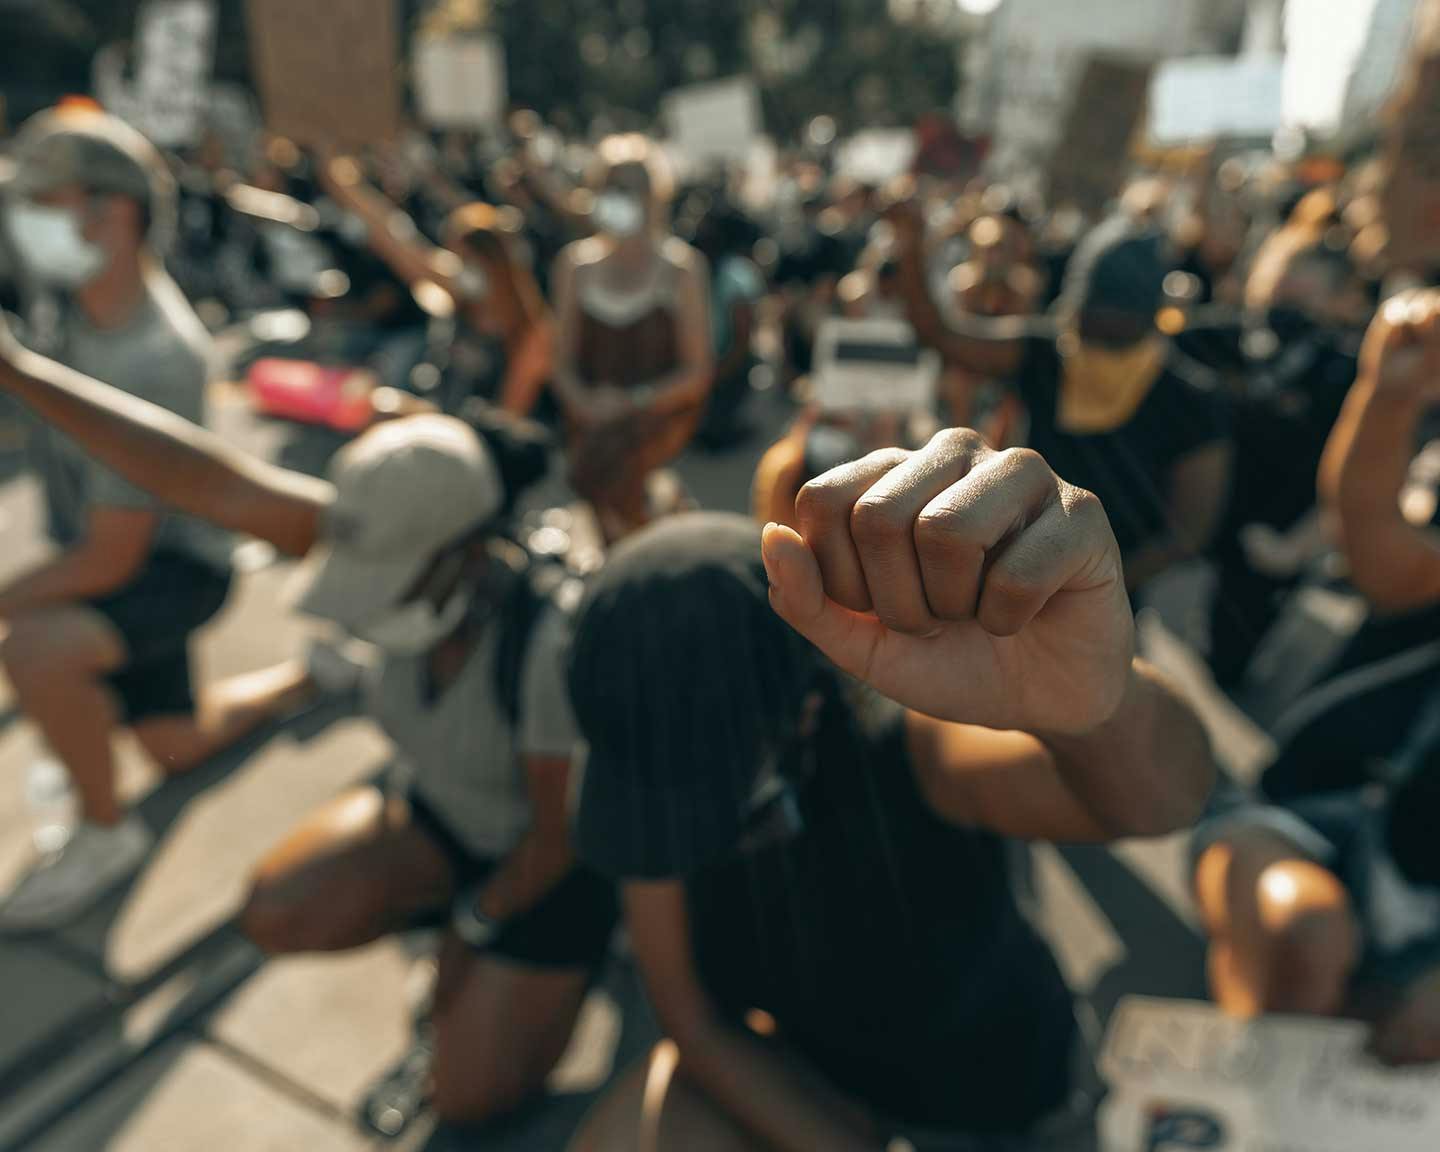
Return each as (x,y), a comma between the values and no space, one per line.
(101,153)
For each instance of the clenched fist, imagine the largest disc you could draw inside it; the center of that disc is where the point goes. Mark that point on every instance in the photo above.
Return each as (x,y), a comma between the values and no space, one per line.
(1402,347)
(971,585)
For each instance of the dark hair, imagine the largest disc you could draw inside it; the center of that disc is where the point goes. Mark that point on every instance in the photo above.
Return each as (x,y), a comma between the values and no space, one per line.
(521,448)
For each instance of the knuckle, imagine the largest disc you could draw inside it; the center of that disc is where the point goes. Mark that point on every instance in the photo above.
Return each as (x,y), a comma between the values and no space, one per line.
(940,537)
(820,502)
(959,440)
(878,518)
(1025,461)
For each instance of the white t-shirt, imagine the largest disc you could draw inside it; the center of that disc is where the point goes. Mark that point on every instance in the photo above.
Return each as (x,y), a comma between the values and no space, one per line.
(466,762)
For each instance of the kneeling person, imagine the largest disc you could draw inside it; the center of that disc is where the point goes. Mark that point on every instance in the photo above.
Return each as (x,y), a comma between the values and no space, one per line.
(814,867)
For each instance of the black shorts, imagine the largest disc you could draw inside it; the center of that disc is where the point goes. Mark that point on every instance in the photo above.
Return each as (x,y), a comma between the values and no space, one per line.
(155,615)
(569,928)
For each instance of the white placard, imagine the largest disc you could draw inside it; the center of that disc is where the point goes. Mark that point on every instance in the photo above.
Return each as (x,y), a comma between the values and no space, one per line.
(175,54)
(714,122)
(1379,65)
(460,81)
(1212,98)
(1182,1071)
(872,366)
(877,155)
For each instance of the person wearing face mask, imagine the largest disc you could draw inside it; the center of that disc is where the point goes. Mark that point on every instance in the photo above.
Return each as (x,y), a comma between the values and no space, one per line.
(1305,312)
(1111,404)
(98,638)
(815,870)
(501,351)
(634,359)
(405,546)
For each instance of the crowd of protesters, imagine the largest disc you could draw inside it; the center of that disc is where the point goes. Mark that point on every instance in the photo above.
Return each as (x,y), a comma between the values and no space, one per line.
(791,755)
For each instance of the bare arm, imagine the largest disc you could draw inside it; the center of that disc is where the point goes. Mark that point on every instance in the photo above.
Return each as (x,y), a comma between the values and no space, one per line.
(182,465)
(1199,488)
(788,1111)
(690,383)
(544,854)
(569,387)
(1394,563)
(392,235)
(116,545)
(988,347)
(1146,771)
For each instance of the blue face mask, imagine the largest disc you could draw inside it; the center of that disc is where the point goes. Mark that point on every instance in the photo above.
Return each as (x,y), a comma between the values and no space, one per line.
(50,245)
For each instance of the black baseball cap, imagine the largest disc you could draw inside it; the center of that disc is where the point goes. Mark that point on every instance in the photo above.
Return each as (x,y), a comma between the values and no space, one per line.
(1119,267)
(685,683)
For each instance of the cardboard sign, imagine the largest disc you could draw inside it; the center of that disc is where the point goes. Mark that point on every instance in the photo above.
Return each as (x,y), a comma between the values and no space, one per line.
(460,81)
(1185,1076)
(327,71)
(1216,98)
(872,366)
(1410,199)
(1093,156)
(717,122)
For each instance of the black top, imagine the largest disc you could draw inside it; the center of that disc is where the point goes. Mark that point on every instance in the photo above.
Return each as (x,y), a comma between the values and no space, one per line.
(1129,469)
(887,944)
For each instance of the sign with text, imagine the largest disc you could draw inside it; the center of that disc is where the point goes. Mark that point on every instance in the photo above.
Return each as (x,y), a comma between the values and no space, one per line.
(327,72)
(1410,199)
(872,366)
(1216,98)
(1093,156)
(175,46)
(460,81)
(1185,1076)
(714,122)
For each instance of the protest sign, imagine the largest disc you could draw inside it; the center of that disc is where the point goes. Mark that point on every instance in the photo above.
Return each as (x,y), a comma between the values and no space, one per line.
(1185,1076)
(1092,158)
(175,46)
(1410,198)
(327,72)
(877,155)
(1216,98)
(872,366)
(714,122)
(459,81)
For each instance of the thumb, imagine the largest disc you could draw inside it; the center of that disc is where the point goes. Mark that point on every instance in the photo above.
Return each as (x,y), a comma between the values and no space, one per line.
(797,593)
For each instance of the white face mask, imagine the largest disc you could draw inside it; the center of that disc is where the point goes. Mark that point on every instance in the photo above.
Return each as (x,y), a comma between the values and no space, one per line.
(49,244)
(619,214)
(417,626)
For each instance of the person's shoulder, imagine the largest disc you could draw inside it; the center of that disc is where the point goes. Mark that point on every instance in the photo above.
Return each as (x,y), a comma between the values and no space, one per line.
(681,257)
(188,347)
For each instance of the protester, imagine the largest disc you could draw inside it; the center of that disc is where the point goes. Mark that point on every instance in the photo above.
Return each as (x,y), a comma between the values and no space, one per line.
(634,362)
(1330,906)
(501,351)
(98,638)
(726,238)
(1111,405)
(1305,310)
(405,547)
(816,881)
(1364,708)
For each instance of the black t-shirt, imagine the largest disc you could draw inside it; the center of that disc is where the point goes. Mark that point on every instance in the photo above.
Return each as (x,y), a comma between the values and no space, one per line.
(888,946)
(1129,468)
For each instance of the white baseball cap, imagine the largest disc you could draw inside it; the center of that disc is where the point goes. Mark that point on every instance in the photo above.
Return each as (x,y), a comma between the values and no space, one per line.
(405,490)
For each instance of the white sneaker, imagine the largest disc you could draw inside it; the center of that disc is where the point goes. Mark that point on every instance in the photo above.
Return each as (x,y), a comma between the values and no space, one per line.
(61,888)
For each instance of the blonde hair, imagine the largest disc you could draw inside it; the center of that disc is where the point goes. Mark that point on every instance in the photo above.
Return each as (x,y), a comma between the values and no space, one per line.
(635,150)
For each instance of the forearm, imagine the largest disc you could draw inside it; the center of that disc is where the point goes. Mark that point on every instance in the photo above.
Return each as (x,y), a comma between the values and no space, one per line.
(1366,465)
(392,235)
(539,862)
(1146,771)
(768,1095)
(185,466)
(73,576)
(679,390)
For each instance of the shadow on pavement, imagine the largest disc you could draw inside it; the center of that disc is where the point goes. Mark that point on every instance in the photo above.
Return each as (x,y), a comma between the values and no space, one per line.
(1163,957)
